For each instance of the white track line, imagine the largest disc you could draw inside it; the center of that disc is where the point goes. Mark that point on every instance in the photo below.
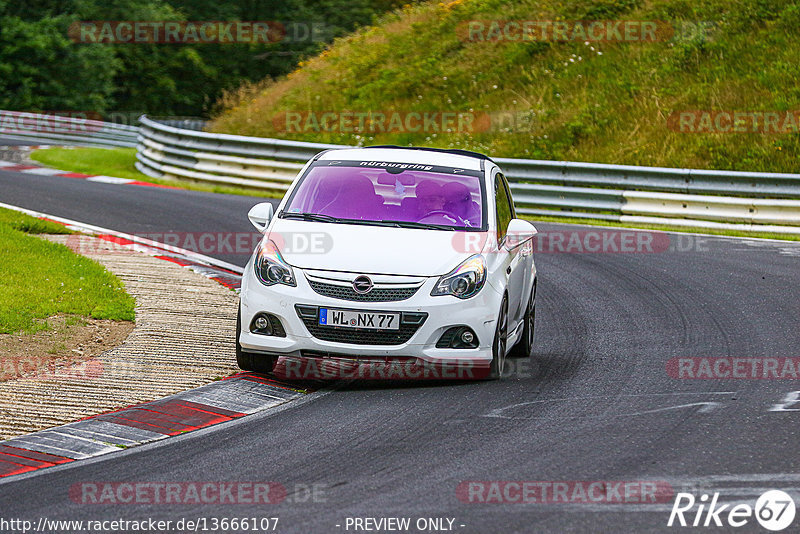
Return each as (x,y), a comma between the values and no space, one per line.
(108,179)
(44,171)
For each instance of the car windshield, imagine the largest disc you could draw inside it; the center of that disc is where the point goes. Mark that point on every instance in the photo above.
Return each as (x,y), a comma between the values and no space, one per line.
(436,197)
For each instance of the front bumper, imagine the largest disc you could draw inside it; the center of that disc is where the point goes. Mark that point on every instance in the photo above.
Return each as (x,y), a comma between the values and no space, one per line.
(443,312)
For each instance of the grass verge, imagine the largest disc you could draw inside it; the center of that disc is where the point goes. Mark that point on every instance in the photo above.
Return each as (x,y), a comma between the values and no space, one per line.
(569,99)
(42,279)
(119,162)
(29,225)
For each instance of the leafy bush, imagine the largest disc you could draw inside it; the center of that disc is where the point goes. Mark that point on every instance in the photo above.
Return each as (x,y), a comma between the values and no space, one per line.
(41,69)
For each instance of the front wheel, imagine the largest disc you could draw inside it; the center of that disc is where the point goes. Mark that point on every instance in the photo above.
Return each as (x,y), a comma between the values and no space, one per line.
(500,339)
(249,361)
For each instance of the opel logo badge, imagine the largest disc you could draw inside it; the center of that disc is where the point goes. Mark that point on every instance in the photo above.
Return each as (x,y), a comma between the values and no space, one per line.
(362,285)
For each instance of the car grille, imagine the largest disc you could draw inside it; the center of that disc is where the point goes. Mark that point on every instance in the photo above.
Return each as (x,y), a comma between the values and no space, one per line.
(376,295)
(409,324)
(447,338)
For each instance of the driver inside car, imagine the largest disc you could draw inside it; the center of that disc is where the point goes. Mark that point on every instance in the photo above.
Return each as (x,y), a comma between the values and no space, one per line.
(430,198)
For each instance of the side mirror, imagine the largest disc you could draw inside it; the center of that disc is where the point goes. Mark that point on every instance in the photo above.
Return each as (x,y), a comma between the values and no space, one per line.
(260,215)
(519,232)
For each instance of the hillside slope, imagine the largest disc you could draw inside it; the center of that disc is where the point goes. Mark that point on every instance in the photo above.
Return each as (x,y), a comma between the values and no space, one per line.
(610,100)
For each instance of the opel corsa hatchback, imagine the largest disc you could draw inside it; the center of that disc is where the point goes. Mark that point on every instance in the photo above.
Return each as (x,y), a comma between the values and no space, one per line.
(391,253)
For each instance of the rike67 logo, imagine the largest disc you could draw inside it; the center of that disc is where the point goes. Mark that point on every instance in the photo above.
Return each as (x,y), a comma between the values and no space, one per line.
(774,510)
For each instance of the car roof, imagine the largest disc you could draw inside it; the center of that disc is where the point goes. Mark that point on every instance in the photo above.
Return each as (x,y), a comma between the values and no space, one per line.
(427,156)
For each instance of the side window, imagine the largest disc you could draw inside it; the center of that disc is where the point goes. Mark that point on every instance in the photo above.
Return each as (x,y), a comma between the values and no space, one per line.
(508,197)
(503,208)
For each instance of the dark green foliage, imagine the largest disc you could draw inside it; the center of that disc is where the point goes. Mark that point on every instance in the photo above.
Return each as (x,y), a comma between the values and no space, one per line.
(41,69)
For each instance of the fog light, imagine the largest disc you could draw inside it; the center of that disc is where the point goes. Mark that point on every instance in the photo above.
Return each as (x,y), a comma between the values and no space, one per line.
(267,324)
(458,337)
(262,325)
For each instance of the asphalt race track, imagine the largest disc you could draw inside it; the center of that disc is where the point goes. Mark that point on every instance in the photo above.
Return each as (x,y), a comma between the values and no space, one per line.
(596,403)
(143,211)
(9,141)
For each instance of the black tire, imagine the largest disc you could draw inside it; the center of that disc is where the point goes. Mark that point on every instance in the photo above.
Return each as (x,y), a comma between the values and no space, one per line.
(249,361)
(499,345)
(524,346)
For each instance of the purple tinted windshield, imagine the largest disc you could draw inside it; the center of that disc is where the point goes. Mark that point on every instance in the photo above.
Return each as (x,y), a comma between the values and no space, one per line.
(373,194)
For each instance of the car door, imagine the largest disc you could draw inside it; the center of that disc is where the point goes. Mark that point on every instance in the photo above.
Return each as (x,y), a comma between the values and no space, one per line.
(524,270)
(511,259)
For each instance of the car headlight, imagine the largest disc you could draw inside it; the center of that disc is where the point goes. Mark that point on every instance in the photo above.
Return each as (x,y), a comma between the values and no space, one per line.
(464,281)
(270,267)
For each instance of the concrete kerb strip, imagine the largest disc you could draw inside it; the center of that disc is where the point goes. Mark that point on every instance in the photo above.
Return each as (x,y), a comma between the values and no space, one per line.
(243,394)
(183,338)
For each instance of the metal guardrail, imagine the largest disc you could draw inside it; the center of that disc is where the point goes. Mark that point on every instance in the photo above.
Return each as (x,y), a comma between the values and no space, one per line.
(165,151)
(73,131)
(186,123)
(677,197)
(768,202)
(662,179)
(178,149)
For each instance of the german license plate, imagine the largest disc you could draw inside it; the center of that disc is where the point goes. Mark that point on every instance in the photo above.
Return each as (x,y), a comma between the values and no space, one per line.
(359,319)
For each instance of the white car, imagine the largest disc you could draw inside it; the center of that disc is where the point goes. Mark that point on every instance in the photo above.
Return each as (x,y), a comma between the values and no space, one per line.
(389,253)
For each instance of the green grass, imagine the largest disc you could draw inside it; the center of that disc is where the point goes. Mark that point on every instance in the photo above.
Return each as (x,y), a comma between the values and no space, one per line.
(660,227)
(106,161)
(42,279)
(30,225)
(119,162)
(604,102)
